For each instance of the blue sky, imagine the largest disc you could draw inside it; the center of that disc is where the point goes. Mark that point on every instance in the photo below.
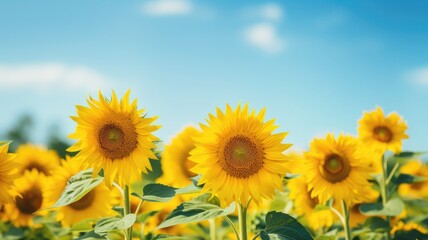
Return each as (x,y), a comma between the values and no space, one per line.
(315,65)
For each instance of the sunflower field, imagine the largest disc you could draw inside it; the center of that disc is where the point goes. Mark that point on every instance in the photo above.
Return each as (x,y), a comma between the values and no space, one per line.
(232,177)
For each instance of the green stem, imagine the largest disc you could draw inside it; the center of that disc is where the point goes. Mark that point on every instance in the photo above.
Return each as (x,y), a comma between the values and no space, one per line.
(212,229)
(242,214)
(346,215)
(233,226)
(384,189)
(127,211)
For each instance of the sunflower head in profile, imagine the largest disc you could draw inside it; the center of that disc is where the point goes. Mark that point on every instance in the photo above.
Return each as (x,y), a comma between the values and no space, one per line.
(417,189)
(8,173)
(97,203)
(239,157)
(30,199)
(175,159)
(305,205)
(336,168)
(382,132)
(113,135)
(37,157)
(356,217)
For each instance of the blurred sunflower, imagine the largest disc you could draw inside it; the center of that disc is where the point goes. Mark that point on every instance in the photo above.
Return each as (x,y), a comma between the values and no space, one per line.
(238,157)
(31,199)
(382,132)
(357,217)
(304,205)
(114,136)
(38,158)
(295,163)
(175,159)
(401,226)
(8,173)
(417,189)
(97,203)
(336,168)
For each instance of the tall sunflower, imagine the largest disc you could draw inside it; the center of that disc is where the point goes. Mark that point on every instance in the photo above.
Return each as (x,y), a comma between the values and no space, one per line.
(31,199)
(304,205)
(114,136)
(97,203)
(175,159)
(336,168)
(239,157)
(8,173)
(37,157)
(383,132)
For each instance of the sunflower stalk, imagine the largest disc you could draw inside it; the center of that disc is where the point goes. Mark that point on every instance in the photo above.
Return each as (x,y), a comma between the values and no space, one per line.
(212,229)
(384,190)
(242,215)
(128,235)
(346,226)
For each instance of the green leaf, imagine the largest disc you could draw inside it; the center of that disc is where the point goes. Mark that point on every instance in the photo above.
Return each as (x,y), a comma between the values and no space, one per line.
(408,178)
(191,188)
(90,236)
(392,208)
(84,226)
(264,235)
(169,237)
(419,205)
(156,192)
(195,211)
(142,218)
(409,154)
(77,187)
(283,226)
(376,224)
(106,225)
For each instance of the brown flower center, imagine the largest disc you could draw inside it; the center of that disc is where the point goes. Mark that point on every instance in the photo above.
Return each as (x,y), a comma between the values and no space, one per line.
(240,156)
(382,134)
(312,201)
(84,202)
(335,168)
(35,165)
(30,202)
(117,140)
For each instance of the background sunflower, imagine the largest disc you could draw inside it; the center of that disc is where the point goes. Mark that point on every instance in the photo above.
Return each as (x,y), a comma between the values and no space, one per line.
(37,157)
(8,173)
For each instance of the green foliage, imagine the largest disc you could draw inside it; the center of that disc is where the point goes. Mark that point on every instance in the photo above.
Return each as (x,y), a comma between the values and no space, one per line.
(77,187)
(105,225)
(392,208)
(283,226)
(196,210)
(156,192)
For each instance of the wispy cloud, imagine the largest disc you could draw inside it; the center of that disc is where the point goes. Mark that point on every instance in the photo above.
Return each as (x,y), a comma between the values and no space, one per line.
(418,76)
(269,12)
(167,7)
(50,76)
(265,37)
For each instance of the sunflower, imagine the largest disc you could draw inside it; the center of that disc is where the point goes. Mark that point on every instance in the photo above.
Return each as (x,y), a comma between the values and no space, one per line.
(417,189)
(37,157)
(97,203)
(114,136)
(336,168)
(401,226)
(238,157)
(31,199)
(175,159)
(8,173)
(357,217)
(304,205)
(383,132)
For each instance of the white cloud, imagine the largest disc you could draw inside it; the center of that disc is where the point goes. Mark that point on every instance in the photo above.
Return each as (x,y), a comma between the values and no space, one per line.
(265,37)
(268,12)
(167,7)
(47,76)
(271,12)
(419,76)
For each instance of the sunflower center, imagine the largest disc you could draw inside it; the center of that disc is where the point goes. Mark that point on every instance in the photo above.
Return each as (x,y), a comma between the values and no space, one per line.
(35,165)
(382,134)
(312,201)
(187,165)
(241,157)
(117,140)
(30,202)
(84,202)
(335,168)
